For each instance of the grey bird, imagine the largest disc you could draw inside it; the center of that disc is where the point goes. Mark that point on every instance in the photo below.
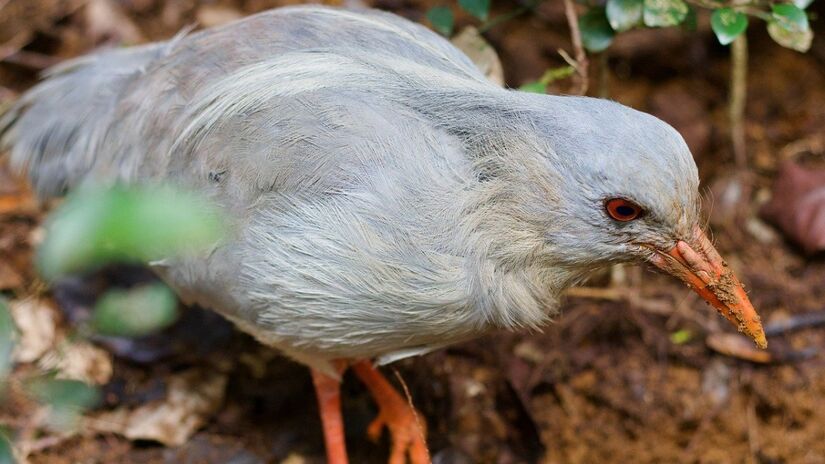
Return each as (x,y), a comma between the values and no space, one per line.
(385,200)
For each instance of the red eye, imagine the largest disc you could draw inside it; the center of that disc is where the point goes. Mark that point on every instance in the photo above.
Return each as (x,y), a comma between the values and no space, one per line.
(622,210)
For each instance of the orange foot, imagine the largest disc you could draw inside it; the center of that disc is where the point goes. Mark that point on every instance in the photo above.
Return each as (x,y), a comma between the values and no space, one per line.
(405,424)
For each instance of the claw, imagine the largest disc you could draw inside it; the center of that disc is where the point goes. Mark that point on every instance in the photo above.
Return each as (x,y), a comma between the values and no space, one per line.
(405,425)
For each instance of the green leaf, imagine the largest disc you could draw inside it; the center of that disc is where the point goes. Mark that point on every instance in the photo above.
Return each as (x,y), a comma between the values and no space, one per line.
(595,31)
(67,399)
(680,337)
(691,21)
(135,312)
(478,8)
(789,27)
(802,4)
(95,226)
(624,14)
(441,18)
(664,13)
(8,332)
(533,87)
(6,454)
(728,24)
(63,393)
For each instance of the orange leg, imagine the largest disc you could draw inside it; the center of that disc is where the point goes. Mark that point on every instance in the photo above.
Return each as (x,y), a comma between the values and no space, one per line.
(328,391)
(405,424)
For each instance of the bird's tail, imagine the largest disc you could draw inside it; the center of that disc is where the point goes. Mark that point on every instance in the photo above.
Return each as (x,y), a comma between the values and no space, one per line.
(52,132)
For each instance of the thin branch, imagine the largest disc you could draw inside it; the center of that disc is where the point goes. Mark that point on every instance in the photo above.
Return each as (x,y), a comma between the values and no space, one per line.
(738,97)
(576,38)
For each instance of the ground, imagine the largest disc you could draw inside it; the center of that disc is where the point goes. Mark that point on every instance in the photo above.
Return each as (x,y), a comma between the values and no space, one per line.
(632,371)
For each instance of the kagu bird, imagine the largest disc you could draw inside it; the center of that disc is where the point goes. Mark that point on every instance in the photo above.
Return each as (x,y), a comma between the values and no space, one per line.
(385,199)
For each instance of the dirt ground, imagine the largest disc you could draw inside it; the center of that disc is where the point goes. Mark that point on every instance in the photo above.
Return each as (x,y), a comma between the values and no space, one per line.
(626,375)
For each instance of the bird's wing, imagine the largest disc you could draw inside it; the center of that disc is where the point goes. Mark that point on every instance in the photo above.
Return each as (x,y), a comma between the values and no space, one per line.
(146,112)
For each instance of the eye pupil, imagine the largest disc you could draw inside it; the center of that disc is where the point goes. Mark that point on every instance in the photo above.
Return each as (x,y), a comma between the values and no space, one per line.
(625,210)
(622,210)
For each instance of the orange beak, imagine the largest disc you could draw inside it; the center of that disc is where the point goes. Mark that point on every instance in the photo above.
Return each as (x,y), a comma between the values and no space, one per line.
(700,266)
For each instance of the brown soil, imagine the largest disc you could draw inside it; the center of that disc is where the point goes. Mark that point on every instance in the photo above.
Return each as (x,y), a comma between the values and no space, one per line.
(605,383)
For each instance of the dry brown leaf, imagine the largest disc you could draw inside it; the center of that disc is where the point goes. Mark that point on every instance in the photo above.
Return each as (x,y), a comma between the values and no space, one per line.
(106,20)
(797,207)
(216,15)
(738,346)
(470,41)
(192,398)
(15,196)
(9,277)
(79,361)
(36,322)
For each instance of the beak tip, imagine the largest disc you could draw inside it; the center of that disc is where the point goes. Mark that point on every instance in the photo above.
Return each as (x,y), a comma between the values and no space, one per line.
(761,341)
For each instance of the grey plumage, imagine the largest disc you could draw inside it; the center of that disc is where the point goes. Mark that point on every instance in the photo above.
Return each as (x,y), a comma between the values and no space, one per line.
(386,199)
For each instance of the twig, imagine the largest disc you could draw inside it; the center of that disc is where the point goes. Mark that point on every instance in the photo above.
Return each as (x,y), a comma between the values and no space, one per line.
(581,58)
(738,97)
(421,426)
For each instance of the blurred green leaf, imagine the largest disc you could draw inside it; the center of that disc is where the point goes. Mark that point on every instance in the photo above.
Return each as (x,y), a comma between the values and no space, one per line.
(8,333)
(728,24)
(66,394)
(680,337)
(664,13)
(534,87)
(624,14)
(6,454)
(596,32)
(135,312)
(691,20)
(95,226)
(789,27)
(441,17)
(802,4)
(478,8)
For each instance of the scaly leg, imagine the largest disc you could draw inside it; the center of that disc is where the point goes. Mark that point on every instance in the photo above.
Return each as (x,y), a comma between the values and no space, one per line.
(328,391)
(405,424)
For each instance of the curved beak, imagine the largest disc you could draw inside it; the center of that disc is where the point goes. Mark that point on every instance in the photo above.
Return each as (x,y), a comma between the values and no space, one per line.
(700,266)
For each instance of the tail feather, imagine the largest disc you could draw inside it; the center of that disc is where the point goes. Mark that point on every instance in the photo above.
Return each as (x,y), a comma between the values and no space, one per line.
(54,129)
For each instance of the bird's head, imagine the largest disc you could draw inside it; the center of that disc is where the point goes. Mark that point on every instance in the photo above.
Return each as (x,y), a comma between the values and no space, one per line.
(625,188)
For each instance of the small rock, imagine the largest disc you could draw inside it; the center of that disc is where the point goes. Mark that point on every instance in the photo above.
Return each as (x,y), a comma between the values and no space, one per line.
(797,206)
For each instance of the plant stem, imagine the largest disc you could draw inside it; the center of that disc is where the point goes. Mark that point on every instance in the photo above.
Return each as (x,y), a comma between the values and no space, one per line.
(576,38)
(492,22)
(604,75)
(738,96)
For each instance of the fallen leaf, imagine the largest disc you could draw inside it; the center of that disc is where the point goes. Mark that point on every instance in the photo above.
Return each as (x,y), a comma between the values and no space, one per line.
(79,361)
(192,398)
(482,54)
(106,21)
(9,277)
(737,346)
(15,196)
(797,206)
(36,322)
(216,15)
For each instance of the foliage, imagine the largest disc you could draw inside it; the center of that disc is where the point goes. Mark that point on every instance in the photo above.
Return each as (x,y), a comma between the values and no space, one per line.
(787,23)
(549,76)
(95,226)
(442,20)
(6,455)
(135,312)
(7,336)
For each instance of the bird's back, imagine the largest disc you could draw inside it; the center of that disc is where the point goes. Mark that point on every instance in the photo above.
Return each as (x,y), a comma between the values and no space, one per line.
(146,112)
